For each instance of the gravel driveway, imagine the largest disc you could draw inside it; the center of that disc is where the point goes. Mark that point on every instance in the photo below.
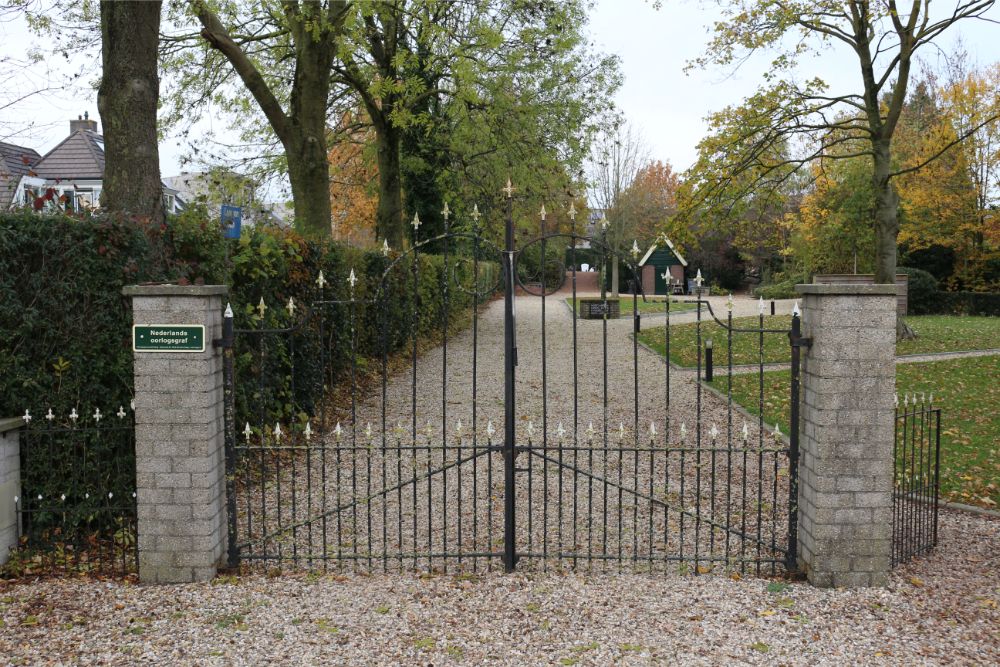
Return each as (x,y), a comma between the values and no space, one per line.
(939,610)
(609,479)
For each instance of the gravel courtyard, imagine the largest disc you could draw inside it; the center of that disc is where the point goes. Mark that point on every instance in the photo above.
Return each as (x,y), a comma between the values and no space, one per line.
(939,610)
(598,485)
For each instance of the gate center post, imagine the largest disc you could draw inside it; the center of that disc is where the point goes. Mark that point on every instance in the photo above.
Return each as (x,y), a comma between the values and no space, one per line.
(510,363)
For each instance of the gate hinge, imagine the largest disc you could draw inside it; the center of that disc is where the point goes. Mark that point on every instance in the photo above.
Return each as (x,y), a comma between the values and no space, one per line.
(800,341)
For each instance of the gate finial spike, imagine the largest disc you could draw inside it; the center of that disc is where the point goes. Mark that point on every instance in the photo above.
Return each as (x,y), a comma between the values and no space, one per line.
(571,212)
(652,429)
(247,432)
(475,213)
(27,417)
(621,431)
(73,415)
(352,279)
(729,303)
(698,280)
(895,399)
(121,412)
(604,222)
(635,249)
(531,429)
(320,280)
(714,433)
(542,213)
(746,432)
(97,415)
(445,212)
(458,427)
(590,430)
(291,307)
(277,432)
(50,415)
(795,310)
(777,430)
(337,431)
(684,431)
(760,305)
(368,430)
(385,247)
(308,431)
(229,311)
(508,189)
(560,431)
(261,307)
(490,429)
(416,222)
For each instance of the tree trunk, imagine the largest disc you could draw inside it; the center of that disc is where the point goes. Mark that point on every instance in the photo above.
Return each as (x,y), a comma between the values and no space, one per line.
(886,216)
(614,276)
(309,175)
(887,228)
(127,101)
(389,215)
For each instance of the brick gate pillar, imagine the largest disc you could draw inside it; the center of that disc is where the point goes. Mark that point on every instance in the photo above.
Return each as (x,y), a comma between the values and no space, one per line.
(180,462)
(847,430)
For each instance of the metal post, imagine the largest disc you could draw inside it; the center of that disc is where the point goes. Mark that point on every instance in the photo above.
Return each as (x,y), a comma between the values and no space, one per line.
(229,433)
(510,362)
(708,360)
(797,341)
(772,307)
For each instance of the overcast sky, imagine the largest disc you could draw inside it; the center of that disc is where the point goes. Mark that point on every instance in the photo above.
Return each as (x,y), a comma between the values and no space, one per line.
(667,105)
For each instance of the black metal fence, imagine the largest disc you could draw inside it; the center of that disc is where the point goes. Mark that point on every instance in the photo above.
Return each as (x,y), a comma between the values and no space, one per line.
(565,448)
(77,508)
(916,466)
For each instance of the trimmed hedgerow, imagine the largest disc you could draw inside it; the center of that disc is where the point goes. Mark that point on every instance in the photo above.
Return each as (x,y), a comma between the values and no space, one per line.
(65,327)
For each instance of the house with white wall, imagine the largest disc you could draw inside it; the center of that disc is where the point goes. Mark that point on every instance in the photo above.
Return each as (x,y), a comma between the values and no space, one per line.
(70,176)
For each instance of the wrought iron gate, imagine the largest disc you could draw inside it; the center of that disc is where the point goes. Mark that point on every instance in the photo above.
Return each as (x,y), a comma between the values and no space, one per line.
(603,457)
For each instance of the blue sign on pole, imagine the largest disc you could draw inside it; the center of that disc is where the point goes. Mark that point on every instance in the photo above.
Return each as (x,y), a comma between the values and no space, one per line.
(232,221)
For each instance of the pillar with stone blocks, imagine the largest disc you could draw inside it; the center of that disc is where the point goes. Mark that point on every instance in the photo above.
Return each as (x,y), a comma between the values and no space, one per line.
(180,462)
(847,430)
(10,483)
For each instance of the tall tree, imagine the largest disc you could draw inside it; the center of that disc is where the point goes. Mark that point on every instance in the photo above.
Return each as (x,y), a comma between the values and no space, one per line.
(127,100)
(311,33)
(619,155)
(882,37)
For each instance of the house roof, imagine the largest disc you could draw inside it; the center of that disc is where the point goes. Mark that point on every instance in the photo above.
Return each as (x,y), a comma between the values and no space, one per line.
(652,249)
(78,156)
(15,162)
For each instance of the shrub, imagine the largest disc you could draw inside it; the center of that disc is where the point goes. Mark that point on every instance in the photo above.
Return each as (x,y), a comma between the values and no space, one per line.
(783,285)
(967,303)
(66,327)
(921,291)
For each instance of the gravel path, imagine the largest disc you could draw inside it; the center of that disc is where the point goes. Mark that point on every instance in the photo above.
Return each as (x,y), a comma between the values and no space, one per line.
(605,491)
(939,610)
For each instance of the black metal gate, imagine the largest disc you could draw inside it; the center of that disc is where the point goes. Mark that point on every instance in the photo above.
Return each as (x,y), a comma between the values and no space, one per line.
(571,447)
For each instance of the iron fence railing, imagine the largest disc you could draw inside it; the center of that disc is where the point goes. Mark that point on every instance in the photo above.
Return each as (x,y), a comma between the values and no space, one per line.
(77,507)
(916,467)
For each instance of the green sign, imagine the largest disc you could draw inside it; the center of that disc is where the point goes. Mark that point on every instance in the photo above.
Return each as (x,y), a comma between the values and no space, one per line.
(168,338)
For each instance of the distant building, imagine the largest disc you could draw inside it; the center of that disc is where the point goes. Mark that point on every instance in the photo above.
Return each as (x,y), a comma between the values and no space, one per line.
(70,176)
(15,162)
(216,187)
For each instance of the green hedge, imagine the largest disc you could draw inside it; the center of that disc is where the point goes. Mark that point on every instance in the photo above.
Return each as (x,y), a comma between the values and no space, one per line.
(967,303)
(65,327)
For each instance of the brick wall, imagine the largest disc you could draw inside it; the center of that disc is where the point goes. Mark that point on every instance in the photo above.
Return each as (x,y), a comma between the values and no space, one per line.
(180,463)
(847,421)
(10,483)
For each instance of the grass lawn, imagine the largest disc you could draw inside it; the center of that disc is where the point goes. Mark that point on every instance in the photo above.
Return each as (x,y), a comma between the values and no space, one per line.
(935,333)
(966,390)
(650,305)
